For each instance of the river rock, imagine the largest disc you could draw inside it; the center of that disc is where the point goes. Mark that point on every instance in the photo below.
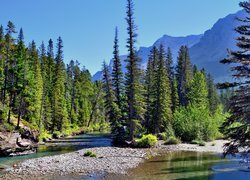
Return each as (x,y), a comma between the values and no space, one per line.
(13,143)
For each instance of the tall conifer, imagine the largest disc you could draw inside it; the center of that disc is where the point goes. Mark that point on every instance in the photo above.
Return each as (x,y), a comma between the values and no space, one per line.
(133,75)
(184,75)
(237,126)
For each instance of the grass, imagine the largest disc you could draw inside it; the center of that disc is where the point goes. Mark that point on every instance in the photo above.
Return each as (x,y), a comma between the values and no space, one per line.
(172,140)
(198,142)
(89,154)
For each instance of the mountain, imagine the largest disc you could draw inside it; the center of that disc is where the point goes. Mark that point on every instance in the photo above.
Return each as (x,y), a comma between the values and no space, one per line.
(214,44)
(168,41)
(206,50)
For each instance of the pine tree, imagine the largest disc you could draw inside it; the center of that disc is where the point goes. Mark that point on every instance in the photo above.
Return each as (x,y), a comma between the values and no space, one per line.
(73,72)
(117,75)
(183,75)
(133,75)
(171,77)
(198,92)
(86,93)
(169,65)
(162,112)
(58,101)
(150,88)
(1,62)
(9,68)
(237,126)
(213,98)
(98,104)
(38,87)
(44,70)
(33,86)
(48,69)
(111,107)
(175,96)
(21,59)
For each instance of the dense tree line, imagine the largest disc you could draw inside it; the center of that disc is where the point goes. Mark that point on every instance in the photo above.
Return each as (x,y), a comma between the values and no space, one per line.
(163,97)
(37,87)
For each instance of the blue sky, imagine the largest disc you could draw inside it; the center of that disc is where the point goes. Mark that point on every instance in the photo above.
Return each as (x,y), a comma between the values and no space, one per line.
(87,26)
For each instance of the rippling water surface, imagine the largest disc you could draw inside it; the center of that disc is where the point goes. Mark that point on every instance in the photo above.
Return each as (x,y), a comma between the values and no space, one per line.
(191,165)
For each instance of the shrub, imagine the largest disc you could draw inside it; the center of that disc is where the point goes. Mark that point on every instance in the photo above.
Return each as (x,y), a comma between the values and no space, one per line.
(146,141)
(162,136)
(202,143)
(9,127)
(44,136)
(89,154)
(195,123)
(173,140)
(199,142)
(56,134)
(3,112)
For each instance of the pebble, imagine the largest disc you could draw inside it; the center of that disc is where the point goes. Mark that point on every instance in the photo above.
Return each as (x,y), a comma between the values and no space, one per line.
(108,159)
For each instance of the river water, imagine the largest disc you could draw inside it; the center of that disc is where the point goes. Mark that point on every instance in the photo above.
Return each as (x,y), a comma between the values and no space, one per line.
(61,146)
(191,165)
(170,166)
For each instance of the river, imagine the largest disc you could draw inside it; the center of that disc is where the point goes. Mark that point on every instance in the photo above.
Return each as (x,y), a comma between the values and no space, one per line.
(61,146)
(172,165)
(191,166)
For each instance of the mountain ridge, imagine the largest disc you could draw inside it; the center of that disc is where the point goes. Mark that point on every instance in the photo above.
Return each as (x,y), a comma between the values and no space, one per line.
(206,50)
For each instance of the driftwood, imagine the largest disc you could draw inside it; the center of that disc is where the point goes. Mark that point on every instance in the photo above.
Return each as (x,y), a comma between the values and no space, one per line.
(19,143)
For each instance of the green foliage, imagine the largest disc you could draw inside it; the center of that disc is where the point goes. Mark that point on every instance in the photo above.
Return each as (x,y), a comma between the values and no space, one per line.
(193,123)
(199,142)
(89,154)
(44,136)
(198,93)
(8,127)
(146,141)
(172,140)
(134,88)
(56,134)
(3,112)
(162,136)
(184,75)
(158,92)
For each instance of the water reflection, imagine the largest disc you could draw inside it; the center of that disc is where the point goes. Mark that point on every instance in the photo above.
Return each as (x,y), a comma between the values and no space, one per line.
(189,165)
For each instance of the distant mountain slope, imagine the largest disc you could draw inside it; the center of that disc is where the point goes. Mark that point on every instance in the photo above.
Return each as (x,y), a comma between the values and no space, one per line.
(205,50)
(214,44)
(173,42)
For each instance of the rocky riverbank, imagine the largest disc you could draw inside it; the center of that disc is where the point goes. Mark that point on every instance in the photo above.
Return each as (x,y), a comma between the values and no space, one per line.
(214,146)
(16,143)
(108,160)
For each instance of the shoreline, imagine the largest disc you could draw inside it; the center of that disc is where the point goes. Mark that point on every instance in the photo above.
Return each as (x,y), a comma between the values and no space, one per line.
(109,160)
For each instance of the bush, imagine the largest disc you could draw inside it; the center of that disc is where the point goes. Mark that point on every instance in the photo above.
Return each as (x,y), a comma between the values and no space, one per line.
(56,134)
(162,136)
(146,141)
(172,140)
(3,112)
(9,127)
(44,136)
(89,154)
(199,142)
(195,123)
